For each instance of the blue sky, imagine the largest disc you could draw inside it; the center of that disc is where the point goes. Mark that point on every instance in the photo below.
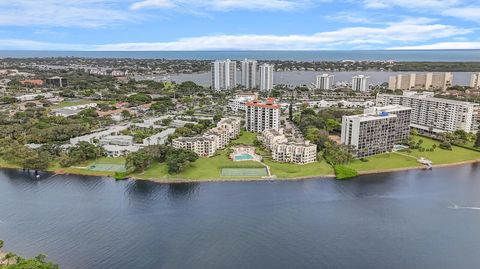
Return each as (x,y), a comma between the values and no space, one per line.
(239,24)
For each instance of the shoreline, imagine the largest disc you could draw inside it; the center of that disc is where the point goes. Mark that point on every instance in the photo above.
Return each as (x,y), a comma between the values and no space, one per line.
(327,176)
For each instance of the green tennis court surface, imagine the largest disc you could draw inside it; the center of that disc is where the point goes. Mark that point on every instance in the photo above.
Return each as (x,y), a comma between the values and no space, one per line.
(107,167)
(244,172)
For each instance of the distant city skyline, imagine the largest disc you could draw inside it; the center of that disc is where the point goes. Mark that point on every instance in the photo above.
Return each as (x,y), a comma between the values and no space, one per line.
(128,25)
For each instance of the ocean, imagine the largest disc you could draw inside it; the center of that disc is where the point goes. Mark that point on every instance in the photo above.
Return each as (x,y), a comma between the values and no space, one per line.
(357,55)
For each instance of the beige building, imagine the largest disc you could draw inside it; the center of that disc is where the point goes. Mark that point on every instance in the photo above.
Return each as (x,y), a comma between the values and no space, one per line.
(435,115)
(204,146)
(213,139)
(428,81)
(262,116)
(475,80)
(283,150)
(377,130)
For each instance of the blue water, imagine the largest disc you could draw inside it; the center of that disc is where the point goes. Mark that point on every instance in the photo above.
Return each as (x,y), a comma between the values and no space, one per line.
(381,55)
(243,157)
(414,219)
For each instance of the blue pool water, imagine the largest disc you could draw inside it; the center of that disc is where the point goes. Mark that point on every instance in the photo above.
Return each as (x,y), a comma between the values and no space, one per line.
(243,157)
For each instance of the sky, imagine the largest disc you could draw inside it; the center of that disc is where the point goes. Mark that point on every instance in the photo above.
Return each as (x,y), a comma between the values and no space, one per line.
(124,25)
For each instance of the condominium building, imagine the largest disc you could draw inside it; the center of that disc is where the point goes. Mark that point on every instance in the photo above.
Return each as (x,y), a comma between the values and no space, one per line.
(238,102)
(475,81)
(435,115)
(360,83)
(283,150)
(249,73)
(266,77)
(212,140)
(224,75)
(377,130)
(261,116)
(324,82)
(427,81)
(204,146)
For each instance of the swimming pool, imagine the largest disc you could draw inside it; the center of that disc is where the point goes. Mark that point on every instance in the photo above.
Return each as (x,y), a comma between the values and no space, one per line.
(243,157)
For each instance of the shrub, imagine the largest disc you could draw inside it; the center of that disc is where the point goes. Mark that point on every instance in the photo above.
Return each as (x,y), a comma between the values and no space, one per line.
(344,172)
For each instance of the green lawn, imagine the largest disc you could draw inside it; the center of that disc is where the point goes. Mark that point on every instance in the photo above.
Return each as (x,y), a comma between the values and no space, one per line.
(246,138)
(71,170)
(397,160)
(384,162)
(72,103)
(440,156)
(6,164)
(202,169)
(289,170)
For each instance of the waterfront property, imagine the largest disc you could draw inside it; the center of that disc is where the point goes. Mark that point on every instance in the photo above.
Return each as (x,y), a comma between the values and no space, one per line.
(244,153)
(377,130)
(293,150)
(212,140)
(224,75)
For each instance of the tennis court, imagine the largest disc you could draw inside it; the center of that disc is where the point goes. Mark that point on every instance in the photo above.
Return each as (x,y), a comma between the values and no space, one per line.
(107,167)
(244,172)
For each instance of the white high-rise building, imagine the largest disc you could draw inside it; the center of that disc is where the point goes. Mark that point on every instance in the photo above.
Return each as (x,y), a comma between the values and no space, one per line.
(377,130)
(249,73)
(360,83)
(475,81)
(435,115)
(262,116)
(266,77)
(224,75)
(324,82)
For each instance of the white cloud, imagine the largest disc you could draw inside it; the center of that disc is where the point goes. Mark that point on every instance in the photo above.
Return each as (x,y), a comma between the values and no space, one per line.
(442,46)
(62,13)
(225,4)
(412,4)
(466,13)
(404,32)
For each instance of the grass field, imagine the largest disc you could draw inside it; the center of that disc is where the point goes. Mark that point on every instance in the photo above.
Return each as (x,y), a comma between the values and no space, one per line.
(398,160)
(82,171)
(288,170)
(202,169)
(72,103)
(246,138)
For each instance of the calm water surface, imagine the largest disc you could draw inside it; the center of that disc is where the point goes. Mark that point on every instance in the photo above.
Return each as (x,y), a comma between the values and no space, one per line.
(400,220)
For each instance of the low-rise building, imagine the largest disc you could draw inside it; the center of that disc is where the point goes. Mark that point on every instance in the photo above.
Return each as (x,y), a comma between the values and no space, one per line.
(238,102)
(202,145)
(299,153)
(118,140)
(290,151)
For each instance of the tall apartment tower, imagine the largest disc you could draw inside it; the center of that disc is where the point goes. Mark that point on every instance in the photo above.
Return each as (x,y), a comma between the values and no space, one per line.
(224,75)
(266,77)
(475,81)
(262,116)
(249,73)
(360,83)
(324,82)
(377,130)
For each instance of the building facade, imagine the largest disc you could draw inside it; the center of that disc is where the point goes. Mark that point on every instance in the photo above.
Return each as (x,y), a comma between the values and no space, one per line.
(212,140)
(283,150)
(376,131)
(475,80)
(360,83)
(261,116)
(224,75)
(249,73)
(324,82)
(238,102)
(435,115)
(424,81)
(266,77)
